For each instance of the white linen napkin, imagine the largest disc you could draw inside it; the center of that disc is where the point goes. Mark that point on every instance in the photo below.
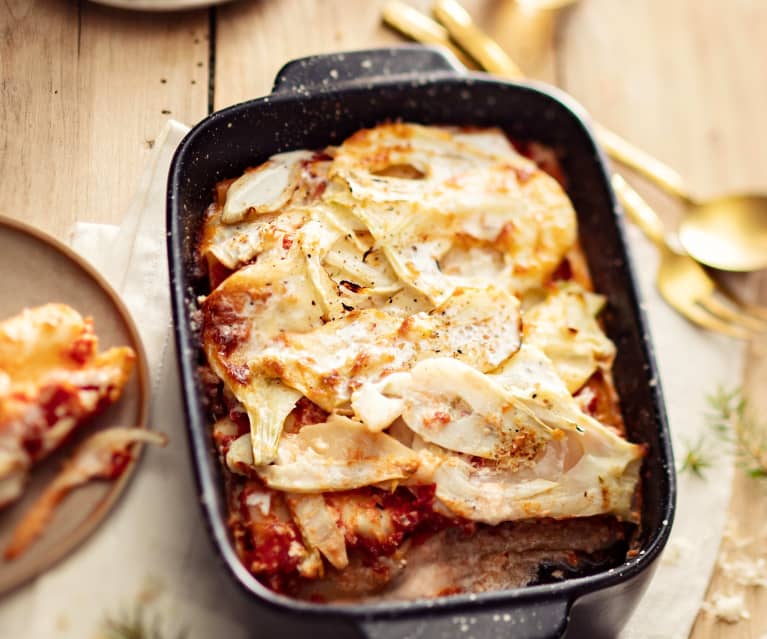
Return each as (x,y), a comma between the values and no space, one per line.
(153,549)
(692,363)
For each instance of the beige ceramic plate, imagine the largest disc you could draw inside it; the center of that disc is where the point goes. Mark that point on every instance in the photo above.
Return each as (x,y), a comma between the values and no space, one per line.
(160,5)
(37,269)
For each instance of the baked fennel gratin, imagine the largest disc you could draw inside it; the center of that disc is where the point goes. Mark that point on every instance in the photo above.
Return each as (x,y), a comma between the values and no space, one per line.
(404,360)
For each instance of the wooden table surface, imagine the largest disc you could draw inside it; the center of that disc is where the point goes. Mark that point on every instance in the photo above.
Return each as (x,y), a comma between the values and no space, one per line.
(84,88)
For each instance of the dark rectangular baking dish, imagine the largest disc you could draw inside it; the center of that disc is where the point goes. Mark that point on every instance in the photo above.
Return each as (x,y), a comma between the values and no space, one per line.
(318,101)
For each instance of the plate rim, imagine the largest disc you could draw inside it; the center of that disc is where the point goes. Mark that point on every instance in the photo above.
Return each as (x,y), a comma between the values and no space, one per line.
(63,548)
(160,6)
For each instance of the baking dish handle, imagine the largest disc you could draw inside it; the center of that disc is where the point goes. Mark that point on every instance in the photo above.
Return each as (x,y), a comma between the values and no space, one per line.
(330,71)
(533,620)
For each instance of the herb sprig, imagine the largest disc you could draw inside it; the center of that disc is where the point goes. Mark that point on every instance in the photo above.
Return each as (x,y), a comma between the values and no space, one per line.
(697,458)
(136,624)
(730,420)
(734,424)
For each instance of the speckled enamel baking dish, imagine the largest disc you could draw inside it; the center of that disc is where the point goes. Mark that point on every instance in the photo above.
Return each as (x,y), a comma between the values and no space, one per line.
(318,101)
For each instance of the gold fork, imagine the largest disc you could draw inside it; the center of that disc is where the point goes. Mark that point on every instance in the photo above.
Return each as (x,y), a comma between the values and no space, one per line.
(684,284)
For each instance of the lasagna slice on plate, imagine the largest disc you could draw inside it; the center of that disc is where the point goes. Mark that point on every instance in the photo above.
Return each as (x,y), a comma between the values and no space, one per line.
(52,379)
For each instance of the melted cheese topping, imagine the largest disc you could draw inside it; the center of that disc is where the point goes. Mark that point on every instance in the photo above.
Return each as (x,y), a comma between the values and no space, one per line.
(453,189)
(265,189)
(339,454)
(382,281)
(328,363)
(564,327)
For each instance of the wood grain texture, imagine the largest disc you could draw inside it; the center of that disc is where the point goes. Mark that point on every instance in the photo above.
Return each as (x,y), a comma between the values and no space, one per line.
(84,90)
(748,514)
(677,78)
(254,39)
(248,55)
(82,95)
(680,79)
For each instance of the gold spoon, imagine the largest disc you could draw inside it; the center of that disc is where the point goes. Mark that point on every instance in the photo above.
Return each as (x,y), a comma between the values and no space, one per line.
(728,232)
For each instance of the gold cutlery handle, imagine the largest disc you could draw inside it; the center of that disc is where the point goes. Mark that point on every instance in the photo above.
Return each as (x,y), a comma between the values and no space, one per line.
(493,58)
(641,161)
(545,5)
(416,26)
(479,46)
(639,211)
